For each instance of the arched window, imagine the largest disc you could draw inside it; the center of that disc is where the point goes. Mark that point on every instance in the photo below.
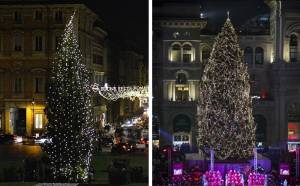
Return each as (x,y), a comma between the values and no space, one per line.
(181,78)
(259,55)
(293,48)
(248,55)
(175,53)
(205,54)
(187,53)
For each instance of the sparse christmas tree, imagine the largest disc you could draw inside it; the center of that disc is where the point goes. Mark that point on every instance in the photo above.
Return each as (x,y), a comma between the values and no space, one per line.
(70,128)
(225,121)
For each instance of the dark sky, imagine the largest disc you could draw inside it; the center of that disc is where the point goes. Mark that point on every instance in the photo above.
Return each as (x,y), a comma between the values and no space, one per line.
(124,19)
(215,10)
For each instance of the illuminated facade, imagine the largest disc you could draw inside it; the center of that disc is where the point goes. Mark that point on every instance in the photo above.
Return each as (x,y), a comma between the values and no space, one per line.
(181,47)
(29,36)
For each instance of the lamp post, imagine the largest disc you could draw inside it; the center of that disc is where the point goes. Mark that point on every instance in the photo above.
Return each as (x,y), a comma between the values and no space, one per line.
(33,102)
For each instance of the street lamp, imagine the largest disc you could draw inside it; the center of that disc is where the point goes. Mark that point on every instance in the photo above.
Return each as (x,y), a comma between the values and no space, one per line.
(33,102)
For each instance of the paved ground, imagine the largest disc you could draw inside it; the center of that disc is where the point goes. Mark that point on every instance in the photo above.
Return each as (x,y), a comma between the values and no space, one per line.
(18,152)
(12,155)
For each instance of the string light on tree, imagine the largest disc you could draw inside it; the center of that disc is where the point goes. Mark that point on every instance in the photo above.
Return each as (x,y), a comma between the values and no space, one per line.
(225,121)
(70,127)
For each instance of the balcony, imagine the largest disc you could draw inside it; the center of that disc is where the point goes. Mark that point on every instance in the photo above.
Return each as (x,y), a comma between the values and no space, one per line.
(167,103)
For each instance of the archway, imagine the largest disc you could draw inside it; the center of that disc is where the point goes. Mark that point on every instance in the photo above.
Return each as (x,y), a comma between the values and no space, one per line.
(182,130)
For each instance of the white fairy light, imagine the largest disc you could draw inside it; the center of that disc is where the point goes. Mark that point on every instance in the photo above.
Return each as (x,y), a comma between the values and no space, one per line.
(121,92)
(225,120)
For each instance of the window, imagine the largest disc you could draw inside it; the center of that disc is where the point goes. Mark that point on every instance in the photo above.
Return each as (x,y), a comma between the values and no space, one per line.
(38,121)
(181,88)
(205,54)
(182,93)
(181,79)
(18,85)
(248,55)
(38,85)
(97,59)
(0,121)
(98,78)
(17,17)
(38,43)
(17,42)
(293,48)
(259,55)
(187,54)
(175,53)
(58,16)
(38,15)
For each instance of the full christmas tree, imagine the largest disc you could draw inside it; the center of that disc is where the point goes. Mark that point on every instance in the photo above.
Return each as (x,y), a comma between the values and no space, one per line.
(225,121)
(70,128)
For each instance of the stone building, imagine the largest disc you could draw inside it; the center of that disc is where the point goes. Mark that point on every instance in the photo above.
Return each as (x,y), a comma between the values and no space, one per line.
(29,35)
(182,42)
(127,68)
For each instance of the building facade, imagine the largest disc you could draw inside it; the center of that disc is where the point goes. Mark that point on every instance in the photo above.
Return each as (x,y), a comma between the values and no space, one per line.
(29,36)
(182,43)
(127,69)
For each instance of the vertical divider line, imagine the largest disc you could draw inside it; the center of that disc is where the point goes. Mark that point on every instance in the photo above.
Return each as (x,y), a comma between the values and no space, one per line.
(150,90)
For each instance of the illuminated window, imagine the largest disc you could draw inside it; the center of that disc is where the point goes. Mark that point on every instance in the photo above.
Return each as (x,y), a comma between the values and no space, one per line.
(293,48)
(248,55)
(181,88)
(259,55)
(175,53)
(38,123)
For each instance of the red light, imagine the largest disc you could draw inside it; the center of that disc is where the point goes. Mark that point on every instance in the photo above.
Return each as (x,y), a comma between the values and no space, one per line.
(264,94)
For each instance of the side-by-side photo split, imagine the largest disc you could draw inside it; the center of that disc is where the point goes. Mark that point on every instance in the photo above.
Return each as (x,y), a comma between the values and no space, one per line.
(74,92)
(226,82)
(149,93)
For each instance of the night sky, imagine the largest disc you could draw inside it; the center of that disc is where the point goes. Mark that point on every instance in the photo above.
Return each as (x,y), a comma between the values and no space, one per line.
(124,20)
(215,10)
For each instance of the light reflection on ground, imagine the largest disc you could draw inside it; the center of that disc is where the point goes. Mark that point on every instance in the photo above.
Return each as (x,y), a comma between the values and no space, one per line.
(19,151)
